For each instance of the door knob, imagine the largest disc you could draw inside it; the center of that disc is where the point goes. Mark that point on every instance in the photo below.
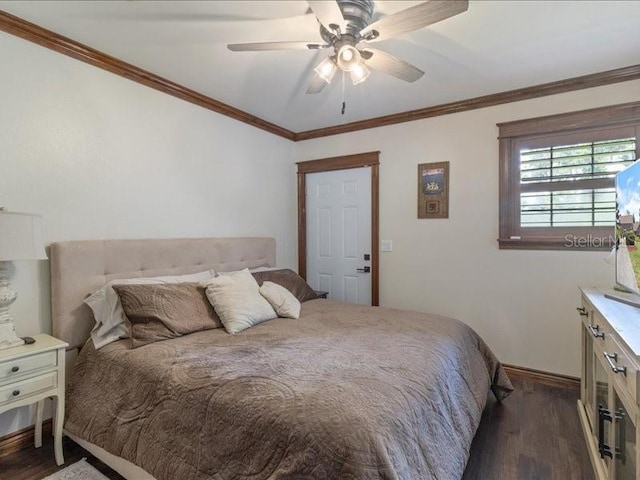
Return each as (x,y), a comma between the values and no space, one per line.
(364,270)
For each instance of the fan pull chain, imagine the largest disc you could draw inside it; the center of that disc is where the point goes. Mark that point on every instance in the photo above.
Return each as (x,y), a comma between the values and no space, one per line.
(344,103)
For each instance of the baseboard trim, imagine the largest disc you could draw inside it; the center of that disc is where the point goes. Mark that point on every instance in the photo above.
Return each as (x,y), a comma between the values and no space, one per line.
(22,438)
(554,379)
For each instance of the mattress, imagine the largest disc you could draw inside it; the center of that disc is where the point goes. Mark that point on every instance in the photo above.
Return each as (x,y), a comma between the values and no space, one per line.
(344,392)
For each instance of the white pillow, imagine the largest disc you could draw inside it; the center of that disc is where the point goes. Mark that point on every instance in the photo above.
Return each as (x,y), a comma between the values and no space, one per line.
(282,300)
(236,298)
(107,310)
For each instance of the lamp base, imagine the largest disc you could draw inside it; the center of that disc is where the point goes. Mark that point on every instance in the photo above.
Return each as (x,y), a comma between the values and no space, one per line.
(8,337)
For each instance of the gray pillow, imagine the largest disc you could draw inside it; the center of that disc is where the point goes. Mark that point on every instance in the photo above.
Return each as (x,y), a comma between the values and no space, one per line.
(161,311)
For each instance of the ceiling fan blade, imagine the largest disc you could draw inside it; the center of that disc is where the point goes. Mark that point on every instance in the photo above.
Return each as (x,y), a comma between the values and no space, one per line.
(260,46)
(413,18)
(384,62)
(328,13)
(317,84)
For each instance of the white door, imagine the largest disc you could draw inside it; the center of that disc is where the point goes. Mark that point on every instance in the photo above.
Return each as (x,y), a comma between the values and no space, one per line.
(339,233)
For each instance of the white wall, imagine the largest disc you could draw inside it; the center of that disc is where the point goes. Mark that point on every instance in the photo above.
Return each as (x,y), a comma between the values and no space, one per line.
(521,302)
(102,157)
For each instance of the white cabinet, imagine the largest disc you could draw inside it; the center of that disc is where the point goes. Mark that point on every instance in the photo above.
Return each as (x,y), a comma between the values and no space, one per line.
(608,405)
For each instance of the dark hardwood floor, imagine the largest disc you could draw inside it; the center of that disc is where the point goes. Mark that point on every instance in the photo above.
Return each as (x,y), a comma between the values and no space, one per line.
(35,464)
(533,435)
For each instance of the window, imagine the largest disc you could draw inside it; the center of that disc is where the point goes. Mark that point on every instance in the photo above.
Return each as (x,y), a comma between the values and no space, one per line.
(557,177)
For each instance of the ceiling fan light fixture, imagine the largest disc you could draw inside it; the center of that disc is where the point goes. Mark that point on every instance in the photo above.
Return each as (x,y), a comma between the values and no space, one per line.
(326,69)
(359,73)
(348,57)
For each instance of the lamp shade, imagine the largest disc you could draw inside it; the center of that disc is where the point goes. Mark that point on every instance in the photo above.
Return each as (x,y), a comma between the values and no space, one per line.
(327,69)
(21,236)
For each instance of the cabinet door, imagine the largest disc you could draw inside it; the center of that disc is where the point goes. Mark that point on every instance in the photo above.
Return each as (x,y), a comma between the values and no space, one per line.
(603,414)
(587,374)
(625,441)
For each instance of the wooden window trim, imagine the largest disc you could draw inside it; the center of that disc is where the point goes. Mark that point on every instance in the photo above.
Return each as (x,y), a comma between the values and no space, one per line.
(368,159)
(624,117)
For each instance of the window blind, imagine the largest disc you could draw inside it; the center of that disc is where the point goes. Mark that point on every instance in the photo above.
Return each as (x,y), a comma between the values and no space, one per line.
(572,185)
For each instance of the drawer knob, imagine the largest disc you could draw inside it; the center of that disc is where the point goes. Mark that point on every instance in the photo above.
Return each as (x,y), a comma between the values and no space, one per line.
(15,393)
(15,369)
(582,311)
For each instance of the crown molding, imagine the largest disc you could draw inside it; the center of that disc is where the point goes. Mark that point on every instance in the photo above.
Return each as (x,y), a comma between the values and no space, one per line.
(552,88)
(46,38)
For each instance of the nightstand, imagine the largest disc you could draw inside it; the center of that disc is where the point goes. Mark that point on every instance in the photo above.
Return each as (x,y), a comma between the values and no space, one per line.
(31,373)
(322,294)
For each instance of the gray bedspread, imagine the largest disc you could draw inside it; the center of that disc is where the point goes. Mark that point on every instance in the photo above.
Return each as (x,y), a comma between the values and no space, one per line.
(345,392)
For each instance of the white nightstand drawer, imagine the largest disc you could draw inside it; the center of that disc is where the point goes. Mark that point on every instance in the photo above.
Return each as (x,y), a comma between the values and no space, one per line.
(18,367)
(24,388)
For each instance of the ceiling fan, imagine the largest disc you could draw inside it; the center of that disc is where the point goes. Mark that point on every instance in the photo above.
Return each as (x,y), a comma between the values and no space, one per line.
(345,26)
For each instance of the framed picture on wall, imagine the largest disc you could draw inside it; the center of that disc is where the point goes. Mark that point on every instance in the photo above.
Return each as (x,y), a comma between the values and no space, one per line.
(433,190)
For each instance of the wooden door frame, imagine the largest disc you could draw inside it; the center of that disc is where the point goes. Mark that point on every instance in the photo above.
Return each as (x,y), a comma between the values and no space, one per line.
(368,159)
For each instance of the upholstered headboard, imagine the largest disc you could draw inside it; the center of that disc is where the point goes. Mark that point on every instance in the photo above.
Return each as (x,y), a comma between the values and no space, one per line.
(78,268)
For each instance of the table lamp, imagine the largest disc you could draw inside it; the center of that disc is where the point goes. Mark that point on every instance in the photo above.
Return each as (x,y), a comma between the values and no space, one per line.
(20,239)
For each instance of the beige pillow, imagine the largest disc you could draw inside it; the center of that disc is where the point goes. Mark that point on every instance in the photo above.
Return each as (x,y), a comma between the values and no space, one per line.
(237,301)
(162,311)
(282,300)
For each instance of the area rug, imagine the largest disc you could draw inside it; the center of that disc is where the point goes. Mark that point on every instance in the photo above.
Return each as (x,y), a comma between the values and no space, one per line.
(78,471)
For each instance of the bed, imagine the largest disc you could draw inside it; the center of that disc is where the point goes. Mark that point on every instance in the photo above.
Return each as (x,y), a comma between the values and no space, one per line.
(344,392)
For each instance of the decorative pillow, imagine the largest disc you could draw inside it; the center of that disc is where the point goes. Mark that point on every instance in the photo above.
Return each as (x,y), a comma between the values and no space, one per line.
(289,280)
(161,311)
(281,299)
(107,310)
(236,298)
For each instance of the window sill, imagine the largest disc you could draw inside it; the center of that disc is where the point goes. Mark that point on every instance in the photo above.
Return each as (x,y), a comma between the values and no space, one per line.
(582,244)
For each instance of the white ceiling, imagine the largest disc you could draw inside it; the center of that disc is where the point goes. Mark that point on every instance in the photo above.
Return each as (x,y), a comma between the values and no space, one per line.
(493,47)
